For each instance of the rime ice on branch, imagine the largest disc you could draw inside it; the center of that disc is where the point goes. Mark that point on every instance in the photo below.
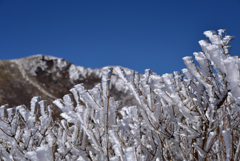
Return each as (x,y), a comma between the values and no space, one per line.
(188,115)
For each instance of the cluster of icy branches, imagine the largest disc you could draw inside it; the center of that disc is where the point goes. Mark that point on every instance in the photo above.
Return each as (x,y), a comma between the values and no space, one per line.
(193,115)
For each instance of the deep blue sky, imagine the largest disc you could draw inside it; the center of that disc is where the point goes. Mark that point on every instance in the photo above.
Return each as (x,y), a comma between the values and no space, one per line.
(136,34)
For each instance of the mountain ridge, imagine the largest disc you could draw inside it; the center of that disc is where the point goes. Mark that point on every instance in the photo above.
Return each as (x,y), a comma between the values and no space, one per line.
(49,77)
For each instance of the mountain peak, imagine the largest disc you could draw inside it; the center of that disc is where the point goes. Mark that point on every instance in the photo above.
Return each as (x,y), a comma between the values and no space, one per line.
(49,77)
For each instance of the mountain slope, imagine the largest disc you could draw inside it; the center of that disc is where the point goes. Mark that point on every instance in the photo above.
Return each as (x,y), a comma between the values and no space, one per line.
(48,77)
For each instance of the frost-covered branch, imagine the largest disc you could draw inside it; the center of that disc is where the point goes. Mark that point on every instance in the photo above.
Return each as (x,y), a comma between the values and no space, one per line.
(188,115)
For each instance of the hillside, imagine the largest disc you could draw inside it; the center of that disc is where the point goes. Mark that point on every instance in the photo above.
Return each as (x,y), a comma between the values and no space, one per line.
(49,77)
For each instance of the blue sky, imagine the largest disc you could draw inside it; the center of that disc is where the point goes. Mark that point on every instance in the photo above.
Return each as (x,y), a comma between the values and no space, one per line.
(137,34)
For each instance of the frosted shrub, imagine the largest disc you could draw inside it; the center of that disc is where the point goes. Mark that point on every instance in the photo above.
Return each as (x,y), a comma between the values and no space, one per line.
(193,115)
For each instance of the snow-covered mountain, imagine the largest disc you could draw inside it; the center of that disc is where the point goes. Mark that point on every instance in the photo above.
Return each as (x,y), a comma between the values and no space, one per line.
(49,77)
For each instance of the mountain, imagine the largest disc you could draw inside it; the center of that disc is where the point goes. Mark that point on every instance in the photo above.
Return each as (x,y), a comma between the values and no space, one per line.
(49,77)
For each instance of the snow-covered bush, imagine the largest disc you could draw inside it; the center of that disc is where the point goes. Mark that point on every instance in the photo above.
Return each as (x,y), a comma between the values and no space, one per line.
(193,115)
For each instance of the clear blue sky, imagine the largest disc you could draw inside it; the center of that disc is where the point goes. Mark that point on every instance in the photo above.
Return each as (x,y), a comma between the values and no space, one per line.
(136,34)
